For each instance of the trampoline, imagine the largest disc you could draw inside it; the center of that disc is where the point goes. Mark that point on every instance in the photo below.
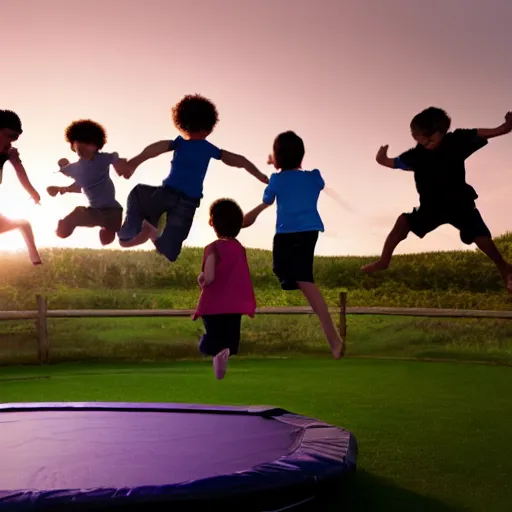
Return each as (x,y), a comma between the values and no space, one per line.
(88,456)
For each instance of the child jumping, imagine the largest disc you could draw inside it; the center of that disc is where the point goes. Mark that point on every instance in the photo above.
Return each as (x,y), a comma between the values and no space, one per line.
(164,214)
(440,175)
(10,130)
(227,291)
(91,174)
(297,227)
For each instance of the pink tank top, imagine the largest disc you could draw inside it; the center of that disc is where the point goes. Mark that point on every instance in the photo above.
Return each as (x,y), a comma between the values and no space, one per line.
(231,292)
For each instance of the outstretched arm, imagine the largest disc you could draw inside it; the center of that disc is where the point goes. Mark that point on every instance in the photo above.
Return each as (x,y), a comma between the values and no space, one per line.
(121,166)
(15,160)
(73,188)
(402,162)
(250,217)
(234,160)
(502,129)
(151,151)
(383,158)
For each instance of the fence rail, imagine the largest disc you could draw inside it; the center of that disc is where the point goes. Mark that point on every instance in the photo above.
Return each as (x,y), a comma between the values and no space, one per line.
(42,314)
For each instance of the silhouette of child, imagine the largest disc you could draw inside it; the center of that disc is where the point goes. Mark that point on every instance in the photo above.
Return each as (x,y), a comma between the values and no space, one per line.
(91,174)
(297,227)
(10,130)
(227,291)
(438,164)
(164,214)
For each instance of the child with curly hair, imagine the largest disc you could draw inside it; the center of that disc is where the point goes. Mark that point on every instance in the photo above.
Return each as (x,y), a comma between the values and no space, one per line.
(438,164)
(91,175)
(227,291)
(164,214)
(10,130)
(297,227)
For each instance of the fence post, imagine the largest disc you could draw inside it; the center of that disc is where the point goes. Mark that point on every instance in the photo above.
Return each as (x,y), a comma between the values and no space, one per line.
(343,315)
(42,329)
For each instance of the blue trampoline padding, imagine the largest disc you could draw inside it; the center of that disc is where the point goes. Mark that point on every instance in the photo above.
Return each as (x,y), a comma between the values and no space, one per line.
(87,454)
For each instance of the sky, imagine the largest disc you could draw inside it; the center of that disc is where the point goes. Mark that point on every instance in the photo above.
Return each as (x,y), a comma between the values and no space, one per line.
(346,76)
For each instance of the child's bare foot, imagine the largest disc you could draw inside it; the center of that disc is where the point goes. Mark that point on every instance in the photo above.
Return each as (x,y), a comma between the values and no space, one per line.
(106,236)
(220,362)
(338,348)
(375,266)
(506,275)
(149,230)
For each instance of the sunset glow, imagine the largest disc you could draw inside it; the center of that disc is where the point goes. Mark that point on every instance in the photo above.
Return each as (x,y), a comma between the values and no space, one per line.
(346,76)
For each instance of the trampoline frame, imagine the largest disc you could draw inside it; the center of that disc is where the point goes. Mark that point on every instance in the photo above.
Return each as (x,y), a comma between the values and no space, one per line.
(324,454)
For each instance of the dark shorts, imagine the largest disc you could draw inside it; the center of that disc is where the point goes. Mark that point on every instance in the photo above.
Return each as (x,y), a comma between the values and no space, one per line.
(222,331)
(149,203)
(293,258)
(108,218)
(468,221)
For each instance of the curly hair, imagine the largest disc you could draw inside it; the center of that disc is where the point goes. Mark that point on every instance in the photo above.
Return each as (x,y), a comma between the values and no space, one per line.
(226,217)
(288,150)
(86,131)
(10,120)
(430,121)
(195,113)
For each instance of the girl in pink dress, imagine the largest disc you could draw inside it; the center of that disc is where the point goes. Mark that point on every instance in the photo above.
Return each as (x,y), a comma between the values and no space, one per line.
(227,291)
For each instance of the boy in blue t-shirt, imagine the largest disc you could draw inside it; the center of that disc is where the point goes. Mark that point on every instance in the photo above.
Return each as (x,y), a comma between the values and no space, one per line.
(297,227)
(91,174)
(438,164)
(165,214)
(10,130)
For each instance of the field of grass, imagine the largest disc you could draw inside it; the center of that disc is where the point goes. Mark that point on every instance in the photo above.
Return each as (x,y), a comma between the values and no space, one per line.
(432,436)
(82,278)
(143,279)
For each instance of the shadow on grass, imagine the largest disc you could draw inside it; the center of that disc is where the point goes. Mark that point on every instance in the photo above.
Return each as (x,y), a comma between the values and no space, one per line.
(366,492)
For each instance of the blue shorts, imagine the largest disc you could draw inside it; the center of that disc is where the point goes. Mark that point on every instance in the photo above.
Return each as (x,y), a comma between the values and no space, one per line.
(149,203)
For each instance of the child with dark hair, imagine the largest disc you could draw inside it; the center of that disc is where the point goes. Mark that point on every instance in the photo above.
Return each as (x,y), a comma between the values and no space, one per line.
(165,214)
(10,130)
(227,291)
(91,174)
(438,164)
(297,227)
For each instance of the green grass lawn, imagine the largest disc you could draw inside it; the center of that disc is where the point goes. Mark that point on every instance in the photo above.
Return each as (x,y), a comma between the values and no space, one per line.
(432,436)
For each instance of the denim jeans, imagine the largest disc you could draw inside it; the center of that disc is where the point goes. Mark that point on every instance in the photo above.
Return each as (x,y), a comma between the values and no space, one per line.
(146,202)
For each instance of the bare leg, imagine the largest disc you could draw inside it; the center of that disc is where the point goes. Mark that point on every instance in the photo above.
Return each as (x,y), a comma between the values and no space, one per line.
(488,247)
(220,362)
(317,303)
(26,230)
(399,233)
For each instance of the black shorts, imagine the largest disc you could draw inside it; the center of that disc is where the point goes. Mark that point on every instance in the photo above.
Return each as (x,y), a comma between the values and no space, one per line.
(222,331)
(293,258)
(468,221)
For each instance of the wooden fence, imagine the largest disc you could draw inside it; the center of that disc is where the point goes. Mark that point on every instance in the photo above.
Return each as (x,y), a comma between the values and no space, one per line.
(42,314)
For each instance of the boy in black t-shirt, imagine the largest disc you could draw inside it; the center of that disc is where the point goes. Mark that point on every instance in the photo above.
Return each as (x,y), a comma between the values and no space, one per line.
(440,175)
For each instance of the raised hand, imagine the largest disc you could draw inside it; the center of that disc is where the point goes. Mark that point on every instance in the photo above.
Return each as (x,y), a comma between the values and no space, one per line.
(508,119)
(382,154)
(53,191)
